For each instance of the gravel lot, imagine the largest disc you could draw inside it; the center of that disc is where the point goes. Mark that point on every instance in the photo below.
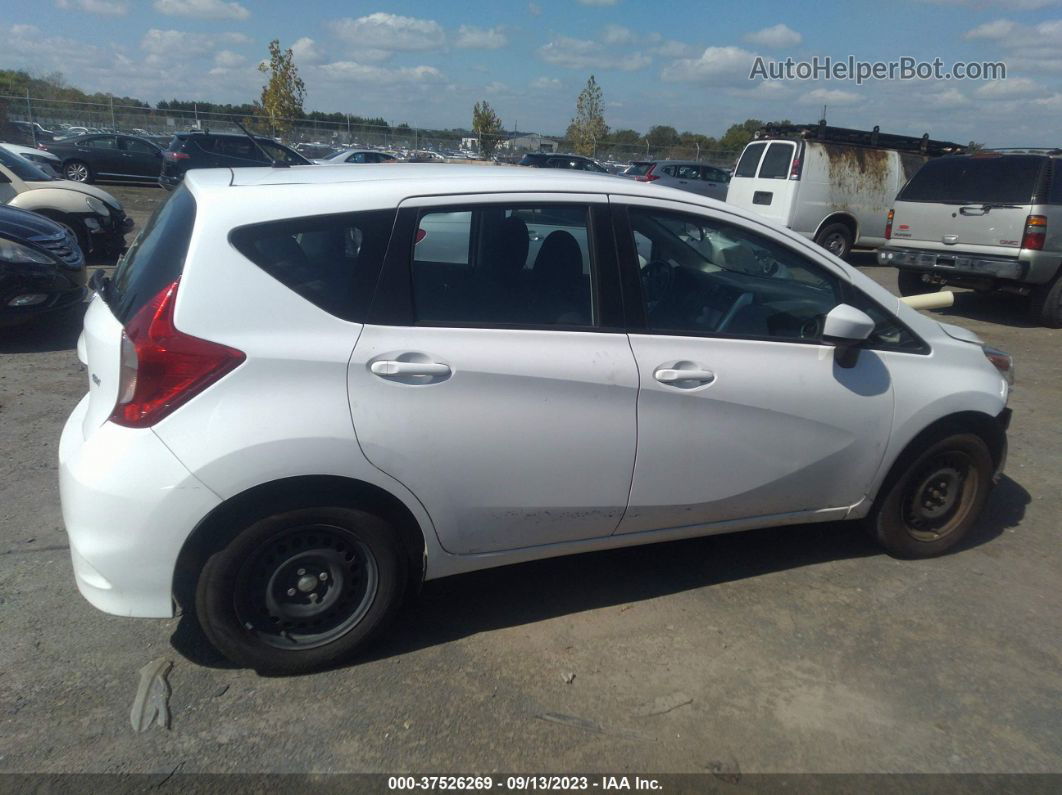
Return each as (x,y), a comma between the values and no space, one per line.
(793,649)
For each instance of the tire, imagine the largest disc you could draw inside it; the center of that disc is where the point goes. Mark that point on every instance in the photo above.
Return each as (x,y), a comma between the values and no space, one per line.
(77,171)
(301,590)
(933,497)
(835,238)
(910,283)
(1046,304)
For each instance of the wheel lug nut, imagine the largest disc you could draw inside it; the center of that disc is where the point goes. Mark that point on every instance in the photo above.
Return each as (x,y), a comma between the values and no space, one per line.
(291,591)
(301,572)
(322,576)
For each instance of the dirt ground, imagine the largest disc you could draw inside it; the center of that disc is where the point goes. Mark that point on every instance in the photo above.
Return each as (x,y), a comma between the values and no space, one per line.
(787,650)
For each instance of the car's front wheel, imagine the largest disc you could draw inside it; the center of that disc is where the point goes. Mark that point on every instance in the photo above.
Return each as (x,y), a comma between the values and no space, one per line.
(933,497)
(77,171)
(301,590)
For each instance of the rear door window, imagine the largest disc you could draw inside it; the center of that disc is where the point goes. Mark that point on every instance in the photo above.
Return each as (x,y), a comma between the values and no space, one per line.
(995,179)
(776,162)
(503,265)
(750,158)
(332,261)
(637,169)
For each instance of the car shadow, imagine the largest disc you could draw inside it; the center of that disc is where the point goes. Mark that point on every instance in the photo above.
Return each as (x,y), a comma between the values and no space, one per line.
(1003,309)
(510,596)
(56,331)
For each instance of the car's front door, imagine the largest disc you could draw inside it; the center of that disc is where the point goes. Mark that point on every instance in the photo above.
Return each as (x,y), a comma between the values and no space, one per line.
(493,378)
(743,412)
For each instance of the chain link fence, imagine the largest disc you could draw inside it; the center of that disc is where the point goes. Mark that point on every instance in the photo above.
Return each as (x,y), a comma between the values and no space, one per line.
(27,120)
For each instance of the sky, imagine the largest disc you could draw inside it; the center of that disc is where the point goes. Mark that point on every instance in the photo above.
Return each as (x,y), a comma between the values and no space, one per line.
(684,64)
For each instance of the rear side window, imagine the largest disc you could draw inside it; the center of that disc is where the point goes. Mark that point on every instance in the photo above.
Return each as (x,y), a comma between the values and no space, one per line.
(503,265)
(156,258)
(750,158)
(776,161)
(332,261)
(1010,179)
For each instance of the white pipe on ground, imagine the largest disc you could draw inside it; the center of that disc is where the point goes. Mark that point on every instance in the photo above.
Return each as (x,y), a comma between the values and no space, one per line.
(930,300)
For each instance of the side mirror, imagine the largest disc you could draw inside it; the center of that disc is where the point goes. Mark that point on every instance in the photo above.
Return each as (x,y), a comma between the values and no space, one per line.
(846,328)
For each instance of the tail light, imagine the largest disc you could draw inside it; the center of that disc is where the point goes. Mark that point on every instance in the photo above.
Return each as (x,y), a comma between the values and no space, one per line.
(42,147)
(888,224)
(794,169)
(163,368)
(175,156)
(648,176)
(1035,232)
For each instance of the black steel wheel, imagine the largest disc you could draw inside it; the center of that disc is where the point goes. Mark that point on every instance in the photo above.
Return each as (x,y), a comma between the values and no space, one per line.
(931,499)
(836,238)
(301,590)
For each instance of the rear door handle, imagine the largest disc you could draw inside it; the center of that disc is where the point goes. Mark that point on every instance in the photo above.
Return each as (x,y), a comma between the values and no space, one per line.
(388,367)
(670,376)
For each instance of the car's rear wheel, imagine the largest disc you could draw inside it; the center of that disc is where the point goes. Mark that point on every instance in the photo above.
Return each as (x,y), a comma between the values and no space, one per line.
(1046,303)
(933,497)
(77,171)
(912,283)
(301,590)
(835,238)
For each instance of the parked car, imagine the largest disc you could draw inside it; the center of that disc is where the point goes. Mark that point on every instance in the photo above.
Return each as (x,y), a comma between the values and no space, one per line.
(96,218)
(73,132)
(575,162)
(42,269)
(987,221)
(831,184)
(195,149)
(47,162)
(25,133)
(357,156)
(682,174)
(89,158)
(298,406)
(425,156)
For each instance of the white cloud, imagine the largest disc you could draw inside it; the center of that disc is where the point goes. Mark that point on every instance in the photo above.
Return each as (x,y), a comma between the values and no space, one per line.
(473,38)
(534,9)
(115,8)
(305,50)
(998,29)
(496,87)
(583,54)
(673,49)
(829,96)
(715,65)
(1012,88)
(390,33)
(617,34)
(202,9)
(165,48)
(546,83)
(227,59)
(776,36)
(354,72)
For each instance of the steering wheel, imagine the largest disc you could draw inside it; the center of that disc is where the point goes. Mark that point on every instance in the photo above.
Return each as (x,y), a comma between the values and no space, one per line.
(657,277)
(811,329)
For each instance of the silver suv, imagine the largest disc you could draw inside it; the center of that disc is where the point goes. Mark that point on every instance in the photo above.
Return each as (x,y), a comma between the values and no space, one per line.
(987,221)
(687,175)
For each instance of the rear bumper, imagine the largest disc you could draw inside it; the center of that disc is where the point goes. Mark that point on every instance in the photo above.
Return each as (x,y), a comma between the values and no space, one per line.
(954,263)
(128,505)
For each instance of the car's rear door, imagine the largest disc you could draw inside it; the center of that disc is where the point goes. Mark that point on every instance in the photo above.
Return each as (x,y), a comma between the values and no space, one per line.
(140,159)
(494,380)
(102,154)
(761,182)
(743,413)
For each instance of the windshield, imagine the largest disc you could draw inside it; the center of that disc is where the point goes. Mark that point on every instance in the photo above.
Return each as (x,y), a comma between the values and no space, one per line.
(22,168)
(1011,179)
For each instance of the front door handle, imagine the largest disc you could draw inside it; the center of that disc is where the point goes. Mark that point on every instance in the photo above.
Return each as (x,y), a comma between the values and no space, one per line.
(670,376)
(388,367)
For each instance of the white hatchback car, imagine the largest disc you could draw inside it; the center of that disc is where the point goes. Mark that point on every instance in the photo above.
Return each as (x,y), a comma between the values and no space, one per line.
(312,387)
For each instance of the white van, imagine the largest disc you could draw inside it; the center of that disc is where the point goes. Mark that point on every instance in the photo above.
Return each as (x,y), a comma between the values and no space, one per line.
(830,184)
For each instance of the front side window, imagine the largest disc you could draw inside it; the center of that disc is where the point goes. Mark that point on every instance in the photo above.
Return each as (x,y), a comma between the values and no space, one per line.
(714,174)
(701,276)
(503,265)
(133,146)
(332,261)
(103,142)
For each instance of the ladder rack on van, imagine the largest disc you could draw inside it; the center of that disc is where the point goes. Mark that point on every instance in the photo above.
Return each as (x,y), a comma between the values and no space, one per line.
(874,139)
